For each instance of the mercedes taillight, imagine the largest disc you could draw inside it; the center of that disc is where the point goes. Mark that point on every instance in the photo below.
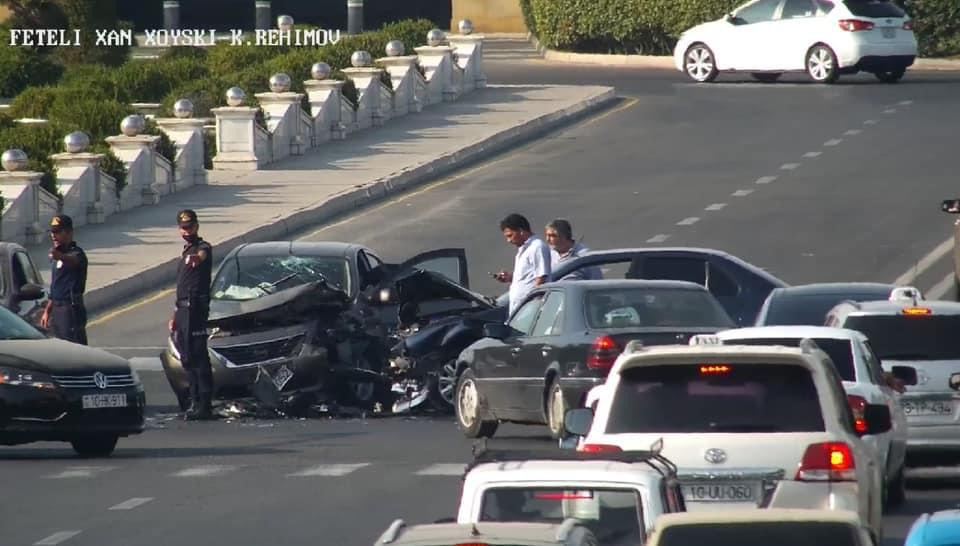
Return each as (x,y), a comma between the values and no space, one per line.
(603,353)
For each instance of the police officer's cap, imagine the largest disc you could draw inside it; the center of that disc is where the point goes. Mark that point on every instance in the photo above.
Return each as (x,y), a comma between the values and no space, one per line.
(186,218)
(61,222)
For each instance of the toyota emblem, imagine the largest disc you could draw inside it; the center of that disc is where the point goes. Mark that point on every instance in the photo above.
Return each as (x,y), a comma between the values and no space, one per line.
(715,455)
(100,380)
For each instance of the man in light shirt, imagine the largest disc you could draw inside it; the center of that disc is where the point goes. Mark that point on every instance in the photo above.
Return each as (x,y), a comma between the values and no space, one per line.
(531,266)
(559,235)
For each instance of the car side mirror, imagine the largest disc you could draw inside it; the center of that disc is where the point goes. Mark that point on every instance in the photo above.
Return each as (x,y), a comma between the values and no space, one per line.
(497,330)
(951,206)
(878,419)
(906,374)
(30,291)
(578,421)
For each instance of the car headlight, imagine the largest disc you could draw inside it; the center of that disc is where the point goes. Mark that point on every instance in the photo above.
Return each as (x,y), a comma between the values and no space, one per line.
(25,378)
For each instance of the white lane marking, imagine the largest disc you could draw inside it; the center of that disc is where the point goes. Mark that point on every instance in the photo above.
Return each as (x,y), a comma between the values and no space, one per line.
(932,472)
(688,221)
(442,469)
(812,154)
(57,538)
(80,472)
(659,238)
(940,289)
(906,102)
(204,470)
(789,166)
(741,193)
(330,470)
(765,179)
(130,504)
(833,142)
(890,111)
(715,206)
(146,363)
(925,263)
(852,132)
(870,122)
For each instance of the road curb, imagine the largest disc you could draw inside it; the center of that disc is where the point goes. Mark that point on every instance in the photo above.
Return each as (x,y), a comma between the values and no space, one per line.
(116,293)
(666,61)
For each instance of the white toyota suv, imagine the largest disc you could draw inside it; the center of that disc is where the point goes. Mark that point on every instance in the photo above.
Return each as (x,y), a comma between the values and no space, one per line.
(864,381)
(747,426)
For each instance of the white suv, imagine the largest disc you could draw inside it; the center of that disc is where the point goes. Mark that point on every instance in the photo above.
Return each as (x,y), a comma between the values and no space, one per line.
(864,381)
(747,426)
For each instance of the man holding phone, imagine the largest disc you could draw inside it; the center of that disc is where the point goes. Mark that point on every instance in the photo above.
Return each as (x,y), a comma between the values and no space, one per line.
(531,266)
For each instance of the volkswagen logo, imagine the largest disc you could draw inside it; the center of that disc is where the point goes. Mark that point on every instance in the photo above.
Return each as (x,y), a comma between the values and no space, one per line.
(715,455)
(100,380)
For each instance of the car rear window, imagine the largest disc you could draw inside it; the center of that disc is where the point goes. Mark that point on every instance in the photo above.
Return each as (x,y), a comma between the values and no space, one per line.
(715,397)
(654,307)
(840,351)
(899,337)
(781,533)
(614,515)
(807,309)
(873,8)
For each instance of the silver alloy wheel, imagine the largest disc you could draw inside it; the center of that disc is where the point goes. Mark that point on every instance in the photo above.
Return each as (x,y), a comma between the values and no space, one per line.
(699,63)
(556,410)
(447,382)
(468,403)
(820,64)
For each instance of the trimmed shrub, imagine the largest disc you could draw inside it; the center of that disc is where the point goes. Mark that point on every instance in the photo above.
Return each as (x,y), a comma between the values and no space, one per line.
(21,67)
(39,142)
(34,102)
(936,24)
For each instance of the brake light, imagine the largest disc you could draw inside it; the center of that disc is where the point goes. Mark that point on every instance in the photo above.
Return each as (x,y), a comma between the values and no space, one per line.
(908,25)
(859,406)
(599,448)
(827,462)
(854,25)
(917,311)
(714,369)
(603,353)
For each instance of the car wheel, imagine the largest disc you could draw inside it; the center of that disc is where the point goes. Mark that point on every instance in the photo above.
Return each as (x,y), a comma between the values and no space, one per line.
(444,387)
(699,63)
(94,446)
(555,409)
(469,408)
(890,76)
(822,64)
(766,77)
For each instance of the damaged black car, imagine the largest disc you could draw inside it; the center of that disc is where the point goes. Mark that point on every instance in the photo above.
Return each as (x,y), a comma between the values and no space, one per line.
(295,325)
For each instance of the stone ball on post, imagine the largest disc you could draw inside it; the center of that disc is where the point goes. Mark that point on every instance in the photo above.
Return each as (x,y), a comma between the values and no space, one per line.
(280,83)
(285,22)
(236,96)
(435,37)
(394,48)
(76,142)
(465,26)
(360,59)
(14,160)
(132,125)
(183,108)
(320,71)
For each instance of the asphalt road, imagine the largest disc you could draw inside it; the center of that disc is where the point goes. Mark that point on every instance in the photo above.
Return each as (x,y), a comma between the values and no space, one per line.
(860,170)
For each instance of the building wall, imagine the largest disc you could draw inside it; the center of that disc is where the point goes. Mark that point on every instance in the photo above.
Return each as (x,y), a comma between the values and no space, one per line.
(489,15)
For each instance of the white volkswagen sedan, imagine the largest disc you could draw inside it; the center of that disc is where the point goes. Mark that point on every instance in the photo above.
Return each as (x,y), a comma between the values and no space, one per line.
(824,38)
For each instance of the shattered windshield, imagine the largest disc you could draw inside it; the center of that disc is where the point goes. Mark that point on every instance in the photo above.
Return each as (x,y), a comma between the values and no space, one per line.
(251,277)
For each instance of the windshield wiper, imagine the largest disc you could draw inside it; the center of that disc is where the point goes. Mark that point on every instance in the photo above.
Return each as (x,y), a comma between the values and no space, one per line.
(267,287)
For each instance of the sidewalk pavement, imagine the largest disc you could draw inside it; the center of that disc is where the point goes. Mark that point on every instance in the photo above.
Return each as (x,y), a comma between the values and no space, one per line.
(137,251)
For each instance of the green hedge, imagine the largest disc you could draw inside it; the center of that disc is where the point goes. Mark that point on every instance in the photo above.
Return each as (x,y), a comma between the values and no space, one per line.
(651,27)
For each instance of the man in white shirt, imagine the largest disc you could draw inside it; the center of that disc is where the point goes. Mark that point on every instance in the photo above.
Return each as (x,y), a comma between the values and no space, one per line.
(531,266)
(559,235)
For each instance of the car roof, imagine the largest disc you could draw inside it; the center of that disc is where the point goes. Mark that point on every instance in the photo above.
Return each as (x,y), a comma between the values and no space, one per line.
(684,354)
(432,534)
(748,516)
(885,307)
(939,527)
(791,331)
(627,283)
(299,248)
(561,472)
(836,288)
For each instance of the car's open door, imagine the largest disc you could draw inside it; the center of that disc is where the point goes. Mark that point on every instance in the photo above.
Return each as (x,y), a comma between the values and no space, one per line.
(449,262)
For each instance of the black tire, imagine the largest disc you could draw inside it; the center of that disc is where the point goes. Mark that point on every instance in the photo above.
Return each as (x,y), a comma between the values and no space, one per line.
(472,425)
(552,397)
(767,77)
(699,64)
(890,76)
(821,64)
(94,446)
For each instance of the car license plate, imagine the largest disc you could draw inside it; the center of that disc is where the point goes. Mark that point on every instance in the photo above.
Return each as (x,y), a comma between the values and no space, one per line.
(916,408)
(282,377)
(97,401)
(889,32)
(720,492)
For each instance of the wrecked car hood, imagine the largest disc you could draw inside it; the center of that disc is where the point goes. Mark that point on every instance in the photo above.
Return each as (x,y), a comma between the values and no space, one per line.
(292,305)
(422,285)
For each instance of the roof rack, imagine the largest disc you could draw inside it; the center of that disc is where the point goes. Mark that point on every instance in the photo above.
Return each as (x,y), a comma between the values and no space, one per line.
(652,457)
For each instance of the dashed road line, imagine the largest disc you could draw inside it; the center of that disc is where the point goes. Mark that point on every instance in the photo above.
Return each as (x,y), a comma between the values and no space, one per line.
(870,122)
(80,472)
(890,111)
(329,470)
(688,221)
(57,538)
(853,132)
(905,102)
(765,179)
(659,238)
(812,154)
(789,166)
(741,193)
(203,470)
(715,206)
(443,469)
(833,142)
(130,504)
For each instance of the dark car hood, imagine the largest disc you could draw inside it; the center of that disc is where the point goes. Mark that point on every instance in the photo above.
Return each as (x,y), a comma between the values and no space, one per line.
(290,306)
(56,356)
(422,285)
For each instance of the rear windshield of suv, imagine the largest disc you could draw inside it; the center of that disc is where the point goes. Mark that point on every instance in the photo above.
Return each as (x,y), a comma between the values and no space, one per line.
(840,351)
(785,533)
(899,337)
(715,397)
(873,8)
(652,307)
(614,515)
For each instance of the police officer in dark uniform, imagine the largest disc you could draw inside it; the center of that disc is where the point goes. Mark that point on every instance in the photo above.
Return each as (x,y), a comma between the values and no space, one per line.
(68,263)
(189,322)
